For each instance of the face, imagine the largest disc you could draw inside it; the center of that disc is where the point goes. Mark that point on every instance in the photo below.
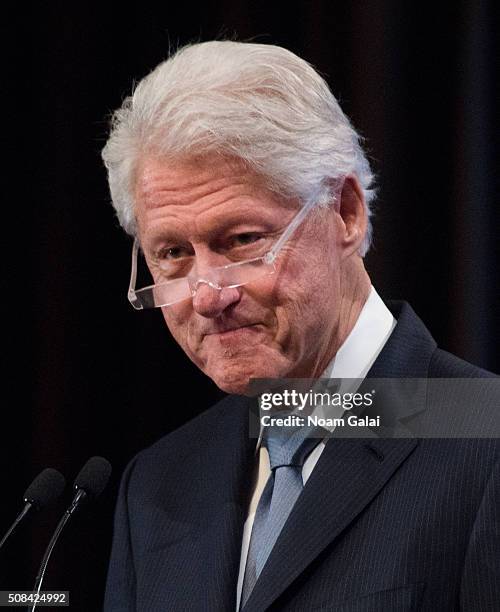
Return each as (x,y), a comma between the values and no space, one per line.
(197,215)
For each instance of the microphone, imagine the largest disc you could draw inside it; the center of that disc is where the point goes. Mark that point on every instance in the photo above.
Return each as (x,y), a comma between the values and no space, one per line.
(43,491)
(88,485)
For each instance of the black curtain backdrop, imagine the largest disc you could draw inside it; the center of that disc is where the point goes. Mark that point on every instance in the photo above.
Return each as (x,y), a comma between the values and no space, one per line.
(83,373)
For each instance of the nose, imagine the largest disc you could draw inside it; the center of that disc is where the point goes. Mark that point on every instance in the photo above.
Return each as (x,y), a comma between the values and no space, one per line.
(211,302)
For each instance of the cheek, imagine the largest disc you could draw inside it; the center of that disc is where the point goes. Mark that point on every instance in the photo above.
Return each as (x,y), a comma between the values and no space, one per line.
(306,282)
(177,317)
(306,296)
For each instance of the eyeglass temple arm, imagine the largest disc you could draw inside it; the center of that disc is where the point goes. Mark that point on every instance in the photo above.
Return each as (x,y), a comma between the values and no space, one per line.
(133,277)
(273,253)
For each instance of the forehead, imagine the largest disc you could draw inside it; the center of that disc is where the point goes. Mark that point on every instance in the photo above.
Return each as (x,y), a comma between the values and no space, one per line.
(179,181)
(198,189)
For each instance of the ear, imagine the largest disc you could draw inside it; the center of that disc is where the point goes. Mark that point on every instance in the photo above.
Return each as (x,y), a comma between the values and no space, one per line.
(351,215)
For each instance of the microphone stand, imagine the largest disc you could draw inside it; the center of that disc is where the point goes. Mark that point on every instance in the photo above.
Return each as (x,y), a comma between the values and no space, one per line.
(79,498)
(19,518)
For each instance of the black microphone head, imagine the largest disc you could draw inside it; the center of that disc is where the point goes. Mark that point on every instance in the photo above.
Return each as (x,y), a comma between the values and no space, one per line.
(93,477)
(46,488)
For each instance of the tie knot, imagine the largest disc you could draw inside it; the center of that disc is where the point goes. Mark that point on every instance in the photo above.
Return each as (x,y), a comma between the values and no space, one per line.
(287,446)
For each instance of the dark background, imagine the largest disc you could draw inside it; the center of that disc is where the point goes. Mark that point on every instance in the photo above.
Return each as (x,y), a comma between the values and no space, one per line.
(83,373)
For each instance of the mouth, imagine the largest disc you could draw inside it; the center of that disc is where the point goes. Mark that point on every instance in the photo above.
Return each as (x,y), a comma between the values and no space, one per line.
(236,333)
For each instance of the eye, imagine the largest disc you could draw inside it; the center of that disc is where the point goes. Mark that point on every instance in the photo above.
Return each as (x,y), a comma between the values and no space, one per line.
(173,253)
(173,260)
(244,239)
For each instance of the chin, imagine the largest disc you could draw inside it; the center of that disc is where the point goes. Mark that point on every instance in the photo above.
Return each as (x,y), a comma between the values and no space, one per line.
(234,377)
(234,387)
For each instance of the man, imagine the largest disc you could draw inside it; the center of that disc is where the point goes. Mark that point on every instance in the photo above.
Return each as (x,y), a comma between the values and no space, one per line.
(248,195)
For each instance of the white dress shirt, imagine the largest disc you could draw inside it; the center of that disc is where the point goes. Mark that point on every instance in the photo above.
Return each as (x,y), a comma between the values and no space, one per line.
(353,360)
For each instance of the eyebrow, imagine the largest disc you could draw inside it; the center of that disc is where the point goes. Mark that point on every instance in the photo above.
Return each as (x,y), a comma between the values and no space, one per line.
(173,235)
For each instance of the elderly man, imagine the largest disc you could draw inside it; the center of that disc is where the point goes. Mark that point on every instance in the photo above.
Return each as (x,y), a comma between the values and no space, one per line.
(248,195)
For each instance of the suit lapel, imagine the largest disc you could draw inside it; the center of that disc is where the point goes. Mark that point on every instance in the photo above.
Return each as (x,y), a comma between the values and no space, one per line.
(348,475)
(408,351)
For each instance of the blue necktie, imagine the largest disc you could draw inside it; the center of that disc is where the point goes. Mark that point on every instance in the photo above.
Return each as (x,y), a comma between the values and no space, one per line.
(287,452)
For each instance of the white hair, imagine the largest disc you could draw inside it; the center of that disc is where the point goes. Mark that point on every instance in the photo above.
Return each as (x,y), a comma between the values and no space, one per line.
(259,103)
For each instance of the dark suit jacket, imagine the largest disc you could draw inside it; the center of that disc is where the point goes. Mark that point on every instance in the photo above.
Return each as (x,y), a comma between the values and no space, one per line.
(381,525)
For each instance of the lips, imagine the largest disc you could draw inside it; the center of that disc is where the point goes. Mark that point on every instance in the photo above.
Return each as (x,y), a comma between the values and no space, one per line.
(226,330)
(234,332)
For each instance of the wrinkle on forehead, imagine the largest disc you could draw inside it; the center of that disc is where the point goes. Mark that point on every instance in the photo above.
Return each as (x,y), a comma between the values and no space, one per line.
(163,182)
(182,193)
